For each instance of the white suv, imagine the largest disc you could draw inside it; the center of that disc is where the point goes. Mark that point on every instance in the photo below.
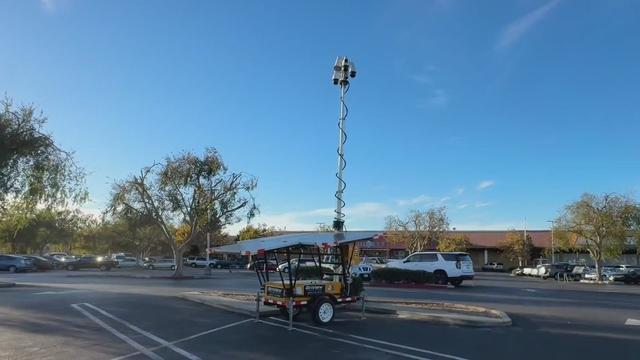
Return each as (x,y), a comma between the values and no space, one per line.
(447,267)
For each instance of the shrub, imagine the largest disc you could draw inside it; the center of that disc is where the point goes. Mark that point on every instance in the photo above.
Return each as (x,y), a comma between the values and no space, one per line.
(393,275)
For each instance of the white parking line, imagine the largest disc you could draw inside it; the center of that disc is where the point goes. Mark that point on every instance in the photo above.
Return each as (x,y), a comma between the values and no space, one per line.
(120,335)
(186,338)
(377,341)
(632,322)
(163,342)
(388,351)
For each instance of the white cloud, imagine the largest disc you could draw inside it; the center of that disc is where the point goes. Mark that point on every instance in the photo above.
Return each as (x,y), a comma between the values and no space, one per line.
(462,206)
(481,204)
(421,78)
(424,77)
(420,199)
(459,191)
(437,99)
(307,220)
(485,184)
(515,30)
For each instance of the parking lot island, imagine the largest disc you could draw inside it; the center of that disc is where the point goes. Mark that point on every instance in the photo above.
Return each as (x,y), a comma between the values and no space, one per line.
(432,312)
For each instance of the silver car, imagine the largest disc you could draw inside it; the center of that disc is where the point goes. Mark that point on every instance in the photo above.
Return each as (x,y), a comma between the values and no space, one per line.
(167,264)
(15,263)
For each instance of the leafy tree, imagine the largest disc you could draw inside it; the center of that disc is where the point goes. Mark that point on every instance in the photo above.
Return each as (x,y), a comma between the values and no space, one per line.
(178,194)
(253,232)
(27,230)
(517,247)
(33,168)
(322,227)
(601,225)
(420,230)
(459,242)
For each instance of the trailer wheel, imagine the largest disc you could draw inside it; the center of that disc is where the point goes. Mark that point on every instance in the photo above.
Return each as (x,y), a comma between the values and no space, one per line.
(323,311)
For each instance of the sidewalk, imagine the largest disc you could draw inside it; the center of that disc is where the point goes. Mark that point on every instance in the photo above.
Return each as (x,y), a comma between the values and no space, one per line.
(439,313)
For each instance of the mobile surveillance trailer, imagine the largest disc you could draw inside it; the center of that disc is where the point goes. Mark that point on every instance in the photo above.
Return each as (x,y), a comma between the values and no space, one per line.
(313,272)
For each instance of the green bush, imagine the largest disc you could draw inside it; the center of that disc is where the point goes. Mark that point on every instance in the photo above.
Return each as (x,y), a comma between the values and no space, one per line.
(393,275)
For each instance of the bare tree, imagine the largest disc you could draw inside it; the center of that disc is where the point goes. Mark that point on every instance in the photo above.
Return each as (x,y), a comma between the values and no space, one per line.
(420,230)
(186,195)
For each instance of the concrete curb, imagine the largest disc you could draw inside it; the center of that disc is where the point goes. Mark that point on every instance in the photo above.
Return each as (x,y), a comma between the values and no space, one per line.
(188,277)
(501,319)
(7,284)
(382,307)
(234,306)
(410,286)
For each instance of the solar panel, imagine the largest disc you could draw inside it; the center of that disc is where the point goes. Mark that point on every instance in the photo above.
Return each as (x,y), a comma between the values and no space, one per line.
(251,247)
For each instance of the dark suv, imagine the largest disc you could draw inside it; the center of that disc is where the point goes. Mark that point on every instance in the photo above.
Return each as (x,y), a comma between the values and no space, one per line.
(15,263)
(91,262)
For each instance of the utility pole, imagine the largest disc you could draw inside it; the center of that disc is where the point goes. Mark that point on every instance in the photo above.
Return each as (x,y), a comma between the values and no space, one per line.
(207,268)
(553,257)
(343,69)
(524,240)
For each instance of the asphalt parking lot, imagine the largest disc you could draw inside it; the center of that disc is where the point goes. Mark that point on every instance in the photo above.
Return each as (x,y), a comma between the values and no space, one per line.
(96,316)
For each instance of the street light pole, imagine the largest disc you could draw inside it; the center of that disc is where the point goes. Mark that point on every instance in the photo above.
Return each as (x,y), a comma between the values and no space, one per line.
(553,257)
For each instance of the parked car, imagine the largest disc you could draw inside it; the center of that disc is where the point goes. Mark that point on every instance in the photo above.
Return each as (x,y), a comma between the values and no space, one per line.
(303,262)
(493,266)
(128,262)
(631,277)
(57,255)
(220,264)
(55,262)
(271,265)
(167,264)
(363,271)
(447,267)
(373,262)
(90,262)
(40,263)
(14,263)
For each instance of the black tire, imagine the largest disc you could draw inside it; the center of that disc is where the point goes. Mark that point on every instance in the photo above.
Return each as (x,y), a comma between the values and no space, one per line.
(71,267)
(151,267)
(13,269)
(211,266)
(456,282)
(285,270)
(440,277)
(323,311)
(219,266)
(193,265)
(173,267)
(102,267)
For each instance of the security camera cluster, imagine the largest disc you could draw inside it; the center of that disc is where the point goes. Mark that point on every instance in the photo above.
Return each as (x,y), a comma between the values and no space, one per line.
(342,70)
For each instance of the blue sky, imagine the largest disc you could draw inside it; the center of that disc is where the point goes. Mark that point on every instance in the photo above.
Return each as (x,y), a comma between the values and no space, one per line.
(500,110)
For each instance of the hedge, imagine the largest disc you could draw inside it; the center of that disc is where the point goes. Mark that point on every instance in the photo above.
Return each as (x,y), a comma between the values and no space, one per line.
(393,275)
